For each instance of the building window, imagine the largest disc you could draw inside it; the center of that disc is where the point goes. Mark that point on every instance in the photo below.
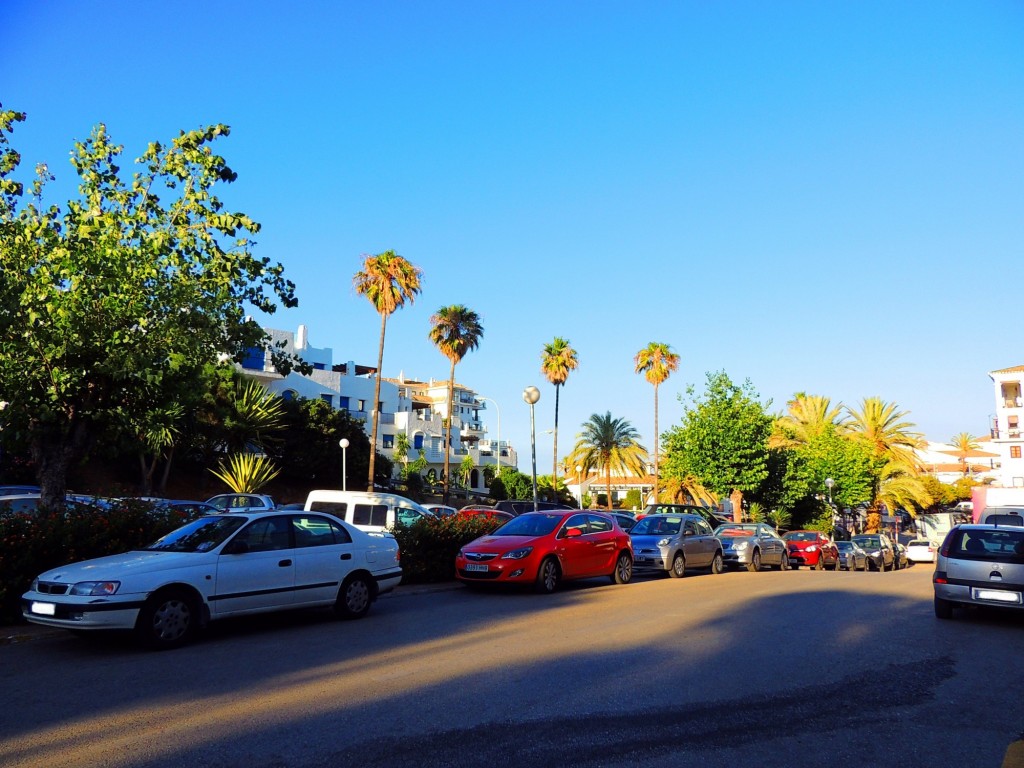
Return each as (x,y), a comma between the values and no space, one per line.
(417,442)
(388,441)
(289,394)
(343,402)
(329,399)
(1014,451)
(253,359)
(360,405)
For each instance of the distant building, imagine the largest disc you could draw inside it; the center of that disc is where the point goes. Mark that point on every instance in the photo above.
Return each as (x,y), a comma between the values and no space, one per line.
(413,408)
(1006,425)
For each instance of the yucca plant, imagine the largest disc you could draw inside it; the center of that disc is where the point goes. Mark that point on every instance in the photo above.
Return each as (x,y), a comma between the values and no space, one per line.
(756,513)
(246,472)
(780,518)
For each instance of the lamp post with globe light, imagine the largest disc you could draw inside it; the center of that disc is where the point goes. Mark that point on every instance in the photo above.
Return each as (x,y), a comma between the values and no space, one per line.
(344,455)
(579,482)
(531,395)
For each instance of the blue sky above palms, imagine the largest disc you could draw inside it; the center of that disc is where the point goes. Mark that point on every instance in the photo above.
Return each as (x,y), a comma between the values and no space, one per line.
(819,197)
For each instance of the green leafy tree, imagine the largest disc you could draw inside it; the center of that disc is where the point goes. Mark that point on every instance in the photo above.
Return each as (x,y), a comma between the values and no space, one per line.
(129,286)
(388,281)
(656,362)
(722,440)
(608,445)
(456,330)
(557,361)
(307,449)
(401,452)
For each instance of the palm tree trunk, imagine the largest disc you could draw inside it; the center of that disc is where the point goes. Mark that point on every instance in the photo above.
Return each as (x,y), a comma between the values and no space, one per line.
(608,480)
(554,469)
(376,402)
(448,430)
(655,443)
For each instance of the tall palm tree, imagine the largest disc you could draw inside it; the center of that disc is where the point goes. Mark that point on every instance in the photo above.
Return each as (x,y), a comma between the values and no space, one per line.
(556,362)
(657,362)
(808,417)
(880,425)
(607,444)
(456,330)
(964,444)
(388,281)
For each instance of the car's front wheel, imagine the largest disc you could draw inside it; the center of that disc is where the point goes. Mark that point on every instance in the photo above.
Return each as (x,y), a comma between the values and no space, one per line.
(547,576)
(717,564)
(678,569)
(168,619)
(820,565)
(784,562)
(354,597)
(755,562)
(943,608)
(623,569)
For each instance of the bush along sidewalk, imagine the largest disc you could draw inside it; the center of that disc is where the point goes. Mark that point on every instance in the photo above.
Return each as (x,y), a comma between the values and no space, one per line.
(429,545)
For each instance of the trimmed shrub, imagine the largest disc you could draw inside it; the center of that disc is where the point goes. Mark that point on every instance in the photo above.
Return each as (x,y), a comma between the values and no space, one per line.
(429,546)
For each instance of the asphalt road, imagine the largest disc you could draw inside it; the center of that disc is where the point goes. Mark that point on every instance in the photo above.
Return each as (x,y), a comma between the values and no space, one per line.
(797,668)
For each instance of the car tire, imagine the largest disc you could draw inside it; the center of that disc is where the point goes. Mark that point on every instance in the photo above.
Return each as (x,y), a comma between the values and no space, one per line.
(623,572)
(354,597)
(717,563)
(678,569)
(784,562)
(755,562)
(943,608)
(820,565)
(167,620)
(547,576)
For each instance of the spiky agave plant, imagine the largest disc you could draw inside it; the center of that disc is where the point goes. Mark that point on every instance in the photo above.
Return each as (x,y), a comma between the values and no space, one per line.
(246,472)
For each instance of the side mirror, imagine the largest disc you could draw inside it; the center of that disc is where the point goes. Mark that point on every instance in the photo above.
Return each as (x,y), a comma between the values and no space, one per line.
(573,533)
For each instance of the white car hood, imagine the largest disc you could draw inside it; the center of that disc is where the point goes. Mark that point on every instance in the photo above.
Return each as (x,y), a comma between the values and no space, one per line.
(116,567)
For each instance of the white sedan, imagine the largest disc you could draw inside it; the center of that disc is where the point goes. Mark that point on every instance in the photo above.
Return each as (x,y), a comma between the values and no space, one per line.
(921,551)
(222,565)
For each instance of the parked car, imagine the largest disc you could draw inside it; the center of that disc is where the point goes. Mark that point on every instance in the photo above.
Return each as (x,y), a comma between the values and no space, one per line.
(491,513)
(28,504)
(370,511)
(752,545)
(675,543)
(19,490)
(711,516)
(851,556)
(921,551)
(813,549)
(242,502)
(440,510)
(228,564)
(1002,516)
(878,547)
(625,521)
(979,565)
(521,506)
(899,556)
(545,548)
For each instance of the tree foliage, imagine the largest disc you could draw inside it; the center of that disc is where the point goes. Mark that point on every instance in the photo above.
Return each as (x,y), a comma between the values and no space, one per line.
(106,303)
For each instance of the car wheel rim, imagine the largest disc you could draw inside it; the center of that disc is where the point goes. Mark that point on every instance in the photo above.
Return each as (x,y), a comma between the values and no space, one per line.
(625,568)
(679,566)
(549,576)
(357,596)
(171,620)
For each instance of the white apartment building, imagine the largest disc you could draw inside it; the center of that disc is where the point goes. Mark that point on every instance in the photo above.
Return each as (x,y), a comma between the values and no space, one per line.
(1006,425)
(414,408)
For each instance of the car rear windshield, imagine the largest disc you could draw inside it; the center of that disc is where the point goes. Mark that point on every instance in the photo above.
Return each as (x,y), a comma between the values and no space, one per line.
(997,544)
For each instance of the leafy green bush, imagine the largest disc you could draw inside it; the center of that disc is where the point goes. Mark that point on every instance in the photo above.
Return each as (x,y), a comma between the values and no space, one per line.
(429,546)
(31,544)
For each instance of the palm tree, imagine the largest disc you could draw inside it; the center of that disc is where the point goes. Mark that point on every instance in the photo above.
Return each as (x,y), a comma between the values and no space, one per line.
(456,331)
(809,416)
(388,281)
(657,362)
(610,445)
(556,362)
(686,490)
(964,444)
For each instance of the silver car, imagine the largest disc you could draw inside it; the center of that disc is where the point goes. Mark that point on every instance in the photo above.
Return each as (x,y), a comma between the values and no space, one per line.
(851,556)
(674,543)
(752,545)
(979,565)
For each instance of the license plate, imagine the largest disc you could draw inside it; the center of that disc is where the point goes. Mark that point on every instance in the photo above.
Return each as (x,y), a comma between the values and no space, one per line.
(44,609)
(640,559)
(998,595)
(476,567)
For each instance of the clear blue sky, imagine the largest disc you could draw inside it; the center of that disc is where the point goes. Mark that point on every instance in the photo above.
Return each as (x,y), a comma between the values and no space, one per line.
(820,197)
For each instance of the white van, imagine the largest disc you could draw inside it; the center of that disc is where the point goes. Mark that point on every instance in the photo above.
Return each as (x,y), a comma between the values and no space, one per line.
(367,510)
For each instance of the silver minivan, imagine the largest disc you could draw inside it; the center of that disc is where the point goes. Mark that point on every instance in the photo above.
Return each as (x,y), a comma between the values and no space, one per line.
(979,565)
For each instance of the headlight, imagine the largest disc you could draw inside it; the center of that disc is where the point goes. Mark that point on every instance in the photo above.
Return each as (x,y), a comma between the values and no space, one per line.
(95,588)
(517,554)
(812,548)
(663,543)
(739,546)
(35,585)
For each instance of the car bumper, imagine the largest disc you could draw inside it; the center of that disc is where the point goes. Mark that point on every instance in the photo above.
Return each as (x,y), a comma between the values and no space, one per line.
(982,595)
(736,558)
(496,571)
(651,561)
(799,557)
(388,581)
(85,612)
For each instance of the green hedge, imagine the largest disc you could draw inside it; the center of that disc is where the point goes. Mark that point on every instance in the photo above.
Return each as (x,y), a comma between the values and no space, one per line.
(30,545)
(429,546)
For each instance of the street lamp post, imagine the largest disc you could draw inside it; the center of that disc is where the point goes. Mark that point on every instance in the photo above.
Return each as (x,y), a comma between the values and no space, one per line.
(531,395)
(829,482)
(344,456)
(579,482)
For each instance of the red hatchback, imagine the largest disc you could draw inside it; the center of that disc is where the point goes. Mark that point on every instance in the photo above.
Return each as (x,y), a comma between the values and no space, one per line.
(543,548)
(813,549)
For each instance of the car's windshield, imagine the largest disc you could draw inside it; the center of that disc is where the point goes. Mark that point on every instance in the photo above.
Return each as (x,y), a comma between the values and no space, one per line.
(868,542)
(657,526)
(201,535)
(844,545)
(530,524)
(801,536)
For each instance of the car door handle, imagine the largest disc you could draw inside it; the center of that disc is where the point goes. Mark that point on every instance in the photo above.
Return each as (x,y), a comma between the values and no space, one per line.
(284,563)
(346,556)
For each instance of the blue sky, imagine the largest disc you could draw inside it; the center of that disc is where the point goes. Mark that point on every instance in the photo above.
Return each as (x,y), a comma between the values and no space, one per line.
(820,197)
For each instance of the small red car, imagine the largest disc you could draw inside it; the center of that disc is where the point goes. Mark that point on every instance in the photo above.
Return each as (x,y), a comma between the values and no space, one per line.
(491,513)
(544,548)
(813,549)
